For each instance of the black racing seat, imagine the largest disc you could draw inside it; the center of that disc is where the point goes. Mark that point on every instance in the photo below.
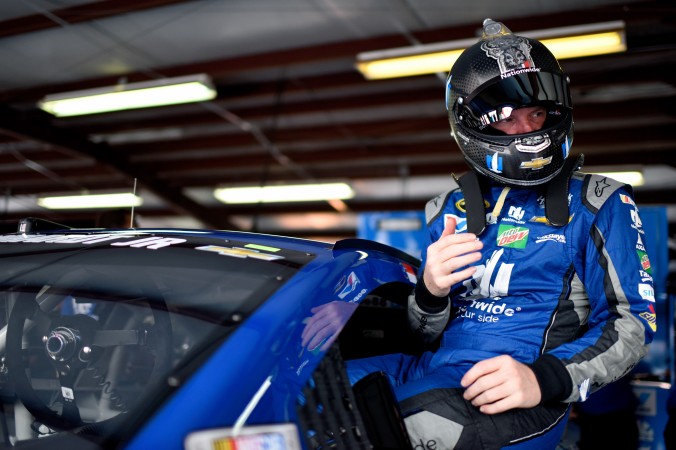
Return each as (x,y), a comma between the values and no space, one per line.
(380,412)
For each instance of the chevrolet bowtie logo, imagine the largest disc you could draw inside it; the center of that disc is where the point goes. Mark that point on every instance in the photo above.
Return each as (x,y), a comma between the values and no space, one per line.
(537,163)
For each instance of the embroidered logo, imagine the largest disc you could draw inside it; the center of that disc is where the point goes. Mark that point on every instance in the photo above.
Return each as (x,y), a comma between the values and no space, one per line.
(650,317)
(460,205)
(627,200)
(645,261)
(646,292)
(560,238)
(516,212)
(512,237)
(601,186)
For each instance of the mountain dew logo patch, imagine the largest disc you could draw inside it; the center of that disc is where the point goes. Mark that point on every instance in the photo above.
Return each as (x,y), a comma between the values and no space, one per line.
(513,237)
(645,262)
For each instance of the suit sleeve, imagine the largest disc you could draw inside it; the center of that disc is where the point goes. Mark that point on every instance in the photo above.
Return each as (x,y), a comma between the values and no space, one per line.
(428,314)
(613,269)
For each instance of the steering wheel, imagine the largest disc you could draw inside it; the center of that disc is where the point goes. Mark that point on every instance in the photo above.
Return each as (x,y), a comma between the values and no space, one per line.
(71,347)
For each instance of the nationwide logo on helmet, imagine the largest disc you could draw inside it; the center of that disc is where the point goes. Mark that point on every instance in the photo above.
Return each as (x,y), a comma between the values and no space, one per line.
(512,54)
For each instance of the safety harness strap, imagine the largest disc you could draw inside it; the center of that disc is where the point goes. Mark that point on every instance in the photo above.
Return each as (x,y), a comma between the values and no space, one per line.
(556,197)
(474,201)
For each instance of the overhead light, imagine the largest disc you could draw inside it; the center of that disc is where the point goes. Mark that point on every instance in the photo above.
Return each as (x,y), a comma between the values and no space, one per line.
(285,193)
(565,42)
(90,201)
(146,94)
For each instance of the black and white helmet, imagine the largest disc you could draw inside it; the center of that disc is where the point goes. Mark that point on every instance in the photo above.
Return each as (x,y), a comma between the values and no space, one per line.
(498,74)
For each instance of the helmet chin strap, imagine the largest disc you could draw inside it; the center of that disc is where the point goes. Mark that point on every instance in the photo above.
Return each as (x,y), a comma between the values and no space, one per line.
(473,186)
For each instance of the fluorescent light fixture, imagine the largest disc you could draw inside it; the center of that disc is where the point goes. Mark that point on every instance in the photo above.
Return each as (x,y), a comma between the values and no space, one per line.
(633,178)
(90,201)
(285,193)
(566,42)
(146,94)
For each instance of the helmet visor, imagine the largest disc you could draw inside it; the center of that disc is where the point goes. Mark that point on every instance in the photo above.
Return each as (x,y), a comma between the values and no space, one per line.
(497,99)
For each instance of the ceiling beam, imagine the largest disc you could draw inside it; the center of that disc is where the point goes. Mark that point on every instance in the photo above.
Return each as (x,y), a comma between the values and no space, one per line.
(86,12)
(40,130)
(635,13)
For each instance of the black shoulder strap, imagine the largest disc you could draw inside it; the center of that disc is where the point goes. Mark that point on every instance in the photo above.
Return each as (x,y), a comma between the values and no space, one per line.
(556,198)
(474,201)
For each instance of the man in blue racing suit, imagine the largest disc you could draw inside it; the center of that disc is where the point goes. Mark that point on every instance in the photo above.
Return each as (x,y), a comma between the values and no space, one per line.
(535,285)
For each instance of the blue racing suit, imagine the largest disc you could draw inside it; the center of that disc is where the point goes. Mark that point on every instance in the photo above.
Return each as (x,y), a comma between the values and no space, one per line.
(575,303)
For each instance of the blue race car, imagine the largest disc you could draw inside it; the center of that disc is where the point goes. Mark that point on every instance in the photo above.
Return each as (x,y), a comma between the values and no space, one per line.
(186,339)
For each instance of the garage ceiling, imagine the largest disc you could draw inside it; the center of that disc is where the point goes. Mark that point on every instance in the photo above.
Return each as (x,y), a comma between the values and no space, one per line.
(292,108)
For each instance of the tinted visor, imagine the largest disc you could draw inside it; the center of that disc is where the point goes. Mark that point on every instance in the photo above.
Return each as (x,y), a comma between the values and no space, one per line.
(496,100)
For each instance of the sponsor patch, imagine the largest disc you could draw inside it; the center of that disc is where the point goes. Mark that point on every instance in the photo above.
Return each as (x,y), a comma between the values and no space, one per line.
(647,292)
(516,212)
(460,205)
(626,199)
(560,238)
(651,318)
(512,237)
(639,244)
(645,261)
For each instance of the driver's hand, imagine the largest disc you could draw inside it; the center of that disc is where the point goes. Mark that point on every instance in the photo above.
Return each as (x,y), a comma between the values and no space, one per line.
(326,322)
(501,383)
(448,254)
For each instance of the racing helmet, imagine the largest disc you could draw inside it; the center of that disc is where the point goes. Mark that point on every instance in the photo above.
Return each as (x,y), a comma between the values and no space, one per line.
(500,73)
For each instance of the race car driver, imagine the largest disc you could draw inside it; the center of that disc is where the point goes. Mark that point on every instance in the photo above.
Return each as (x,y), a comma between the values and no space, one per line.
(535,286)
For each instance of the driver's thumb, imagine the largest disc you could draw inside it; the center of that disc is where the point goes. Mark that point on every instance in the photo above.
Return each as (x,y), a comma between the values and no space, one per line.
(449,227)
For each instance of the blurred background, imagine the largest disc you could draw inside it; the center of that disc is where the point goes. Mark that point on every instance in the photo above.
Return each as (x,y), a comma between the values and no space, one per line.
(290,106)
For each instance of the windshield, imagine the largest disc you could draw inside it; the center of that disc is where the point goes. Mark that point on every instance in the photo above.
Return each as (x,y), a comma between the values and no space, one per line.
(89,332)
